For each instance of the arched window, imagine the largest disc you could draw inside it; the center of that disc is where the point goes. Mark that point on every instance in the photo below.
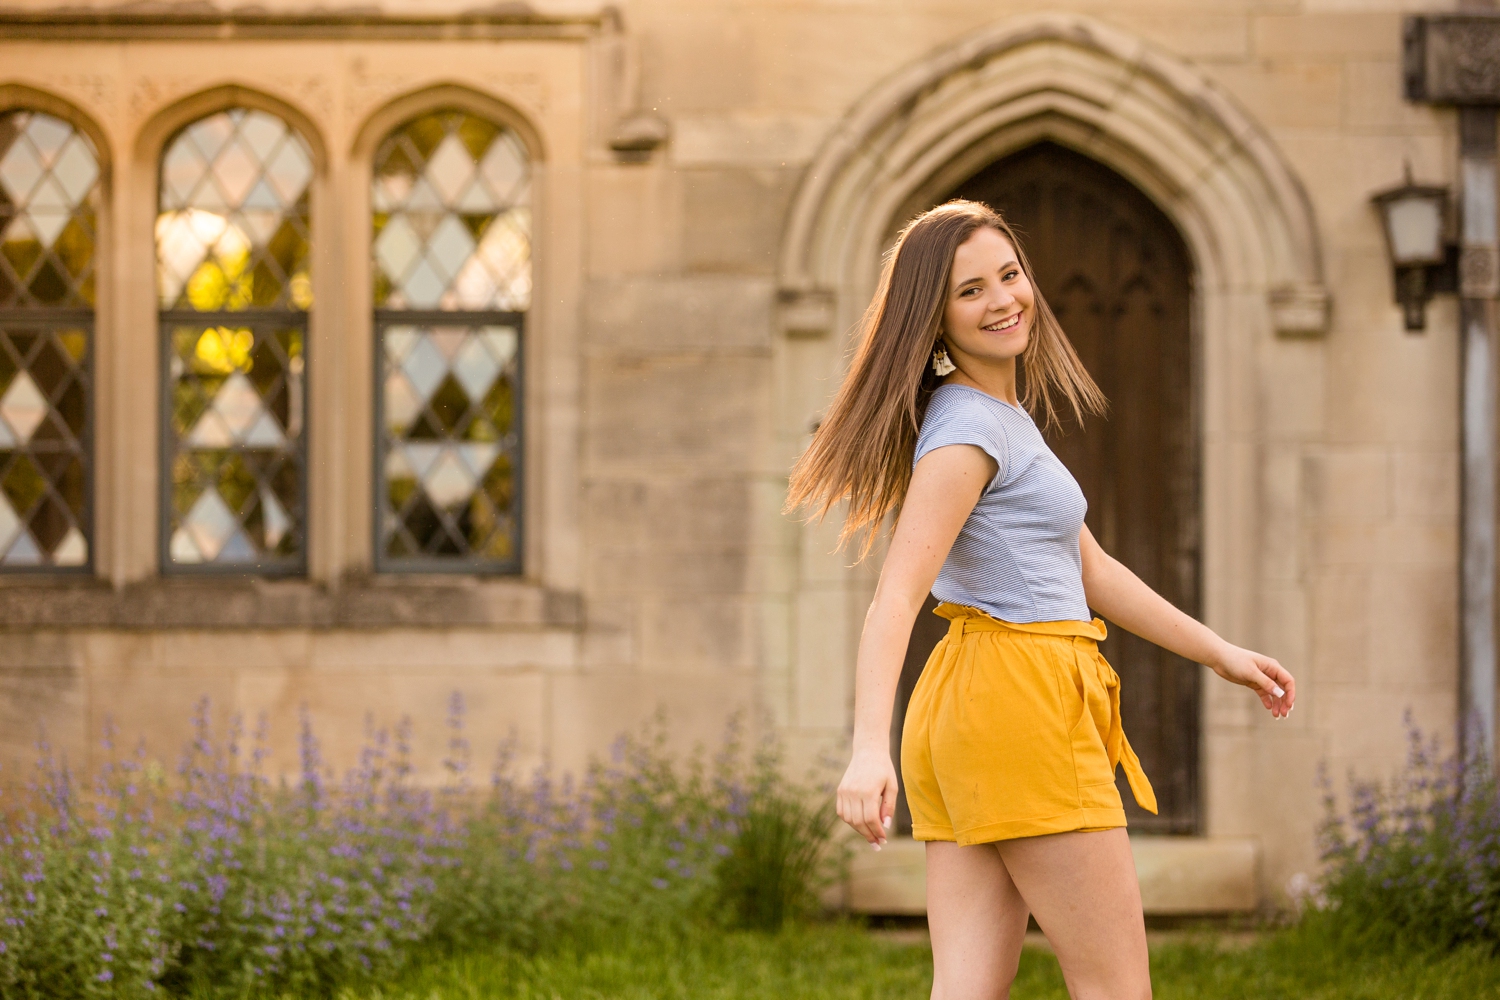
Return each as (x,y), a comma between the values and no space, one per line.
(49,205)
(452,283)
(232,248)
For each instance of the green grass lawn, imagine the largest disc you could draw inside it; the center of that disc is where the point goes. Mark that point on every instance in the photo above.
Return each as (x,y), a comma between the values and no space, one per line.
(845,962)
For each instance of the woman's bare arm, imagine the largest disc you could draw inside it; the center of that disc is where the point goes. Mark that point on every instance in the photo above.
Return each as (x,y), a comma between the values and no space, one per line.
(945,485)
(1121,596)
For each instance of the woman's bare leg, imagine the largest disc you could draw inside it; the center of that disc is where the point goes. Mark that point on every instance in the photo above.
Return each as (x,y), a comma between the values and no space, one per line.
(1083,889)
(977,919)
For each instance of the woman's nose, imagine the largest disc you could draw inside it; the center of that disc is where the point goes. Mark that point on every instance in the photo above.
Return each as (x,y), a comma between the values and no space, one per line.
(1001,300)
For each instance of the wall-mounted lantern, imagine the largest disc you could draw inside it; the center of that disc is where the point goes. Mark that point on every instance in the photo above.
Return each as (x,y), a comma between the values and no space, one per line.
(1417,238)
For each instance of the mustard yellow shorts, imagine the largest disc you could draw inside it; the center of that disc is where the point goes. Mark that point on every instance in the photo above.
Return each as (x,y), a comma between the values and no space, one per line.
(1014,731)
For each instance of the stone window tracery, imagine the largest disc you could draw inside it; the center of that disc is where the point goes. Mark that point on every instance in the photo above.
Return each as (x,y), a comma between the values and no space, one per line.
(452,283)
(49,208)
(233,248)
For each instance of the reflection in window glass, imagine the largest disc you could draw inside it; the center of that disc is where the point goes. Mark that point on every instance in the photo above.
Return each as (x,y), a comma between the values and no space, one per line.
(232,276)
(452,281)
(49,197)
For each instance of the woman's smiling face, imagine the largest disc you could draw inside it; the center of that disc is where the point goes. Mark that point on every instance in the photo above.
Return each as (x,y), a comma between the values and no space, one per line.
(991,306)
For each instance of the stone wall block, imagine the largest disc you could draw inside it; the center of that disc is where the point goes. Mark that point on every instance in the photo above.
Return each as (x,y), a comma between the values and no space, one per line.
(1349,484)
(1281,556)
(1334,34)
(691,412)
(1340,631)
(1290,95)
(1374,99)
(1197,34)
(1365,729)
(1293,376)
(614,512)
(634,221)
(1372,398)
(732,219)
(588,712)
(43,701)
(689,513)
(681,313)
(695,56)
(825,660)
(1285,785)
(41,649)
(467,649)
(1425,484)
(682,632)
(1355,545)
(1413,621)
(747,139)
(697,571)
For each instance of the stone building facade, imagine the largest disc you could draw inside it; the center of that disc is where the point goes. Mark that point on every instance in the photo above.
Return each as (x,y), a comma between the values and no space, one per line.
(533,446)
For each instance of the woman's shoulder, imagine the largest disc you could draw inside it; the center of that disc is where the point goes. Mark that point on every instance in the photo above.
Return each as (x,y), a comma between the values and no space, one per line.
(957,414)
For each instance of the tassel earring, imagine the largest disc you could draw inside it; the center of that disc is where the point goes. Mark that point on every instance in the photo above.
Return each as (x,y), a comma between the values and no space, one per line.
(940,362)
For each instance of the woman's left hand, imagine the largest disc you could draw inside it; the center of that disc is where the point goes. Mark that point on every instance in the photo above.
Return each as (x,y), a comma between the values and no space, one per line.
(1261,674)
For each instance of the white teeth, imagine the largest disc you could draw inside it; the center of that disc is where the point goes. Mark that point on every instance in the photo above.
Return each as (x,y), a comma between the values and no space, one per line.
(1005,325)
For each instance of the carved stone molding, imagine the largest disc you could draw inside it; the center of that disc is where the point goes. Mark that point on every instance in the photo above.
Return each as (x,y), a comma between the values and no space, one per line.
(808,313)
(1300,310)
(361,603)
(195,22)
(1453,58)
(1479,272)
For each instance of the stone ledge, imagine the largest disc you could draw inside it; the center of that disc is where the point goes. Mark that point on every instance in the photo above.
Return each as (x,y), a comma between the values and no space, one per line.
(1178,875)
(208,602)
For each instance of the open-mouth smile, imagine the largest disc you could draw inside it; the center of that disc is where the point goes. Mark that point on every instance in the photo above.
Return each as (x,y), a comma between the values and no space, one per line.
(1004,325)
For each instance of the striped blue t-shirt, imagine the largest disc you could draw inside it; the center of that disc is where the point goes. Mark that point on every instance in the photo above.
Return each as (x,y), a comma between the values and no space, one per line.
(1017,554)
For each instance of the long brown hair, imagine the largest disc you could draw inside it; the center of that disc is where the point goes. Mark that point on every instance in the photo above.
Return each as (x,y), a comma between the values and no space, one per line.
(862,452)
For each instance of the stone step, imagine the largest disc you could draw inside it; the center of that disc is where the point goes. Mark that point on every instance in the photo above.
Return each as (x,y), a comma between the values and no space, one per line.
(1179,876)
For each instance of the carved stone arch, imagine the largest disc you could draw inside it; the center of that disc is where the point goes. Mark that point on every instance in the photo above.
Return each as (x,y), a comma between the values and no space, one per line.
(1251,234)
(446,95)
(14,96)
(1067,78)
(153,137)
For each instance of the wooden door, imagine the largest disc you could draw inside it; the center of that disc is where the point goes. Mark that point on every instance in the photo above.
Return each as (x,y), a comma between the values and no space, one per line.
(1118,275)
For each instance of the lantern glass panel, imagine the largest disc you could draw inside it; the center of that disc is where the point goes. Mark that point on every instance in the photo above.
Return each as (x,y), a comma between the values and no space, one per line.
(1415,224)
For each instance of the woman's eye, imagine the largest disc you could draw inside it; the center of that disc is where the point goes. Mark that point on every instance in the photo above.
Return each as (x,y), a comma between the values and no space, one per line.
(1012,275)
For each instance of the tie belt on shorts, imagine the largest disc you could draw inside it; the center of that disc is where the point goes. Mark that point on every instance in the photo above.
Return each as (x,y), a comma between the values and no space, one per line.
(965,620)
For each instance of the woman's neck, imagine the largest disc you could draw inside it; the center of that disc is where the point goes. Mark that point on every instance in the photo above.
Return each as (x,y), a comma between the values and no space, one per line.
(994,378)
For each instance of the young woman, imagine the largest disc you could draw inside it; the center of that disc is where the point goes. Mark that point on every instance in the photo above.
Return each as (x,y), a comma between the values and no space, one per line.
(1013,734)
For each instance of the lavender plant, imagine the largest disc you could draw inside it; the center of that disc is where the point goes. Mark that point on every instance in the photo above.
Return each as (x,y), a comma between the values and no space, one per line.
(1416,860)
(218,881)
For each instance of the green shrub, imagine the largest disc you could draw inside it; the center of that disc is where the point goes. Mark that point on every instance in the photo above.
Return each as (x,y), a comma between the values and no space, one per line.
(219,882)
(781,855)
(1417,859)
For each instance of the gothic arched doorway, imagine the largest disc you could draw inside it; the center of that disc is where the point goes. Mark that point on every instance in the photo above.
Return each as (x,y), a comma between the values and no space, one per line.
(1119,277)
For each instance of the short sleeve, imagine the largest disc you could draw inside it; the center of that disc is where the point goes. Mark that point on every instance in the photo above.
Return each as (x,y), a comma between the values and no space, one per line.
(957,416)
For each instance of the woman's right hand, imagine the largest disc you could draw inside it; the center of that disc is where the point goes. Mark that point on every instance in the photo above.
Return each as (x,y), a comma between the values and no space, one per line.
(867,795)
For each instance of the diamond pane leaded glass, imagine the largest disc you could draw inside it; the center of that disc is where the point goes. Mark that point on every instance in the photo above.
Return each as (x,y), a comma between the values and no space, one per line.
(48,212)
(233,248)
(232,232)
(236,418)
(452,216)
(44,445)
(450,445)
(451,253)
(49,204)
